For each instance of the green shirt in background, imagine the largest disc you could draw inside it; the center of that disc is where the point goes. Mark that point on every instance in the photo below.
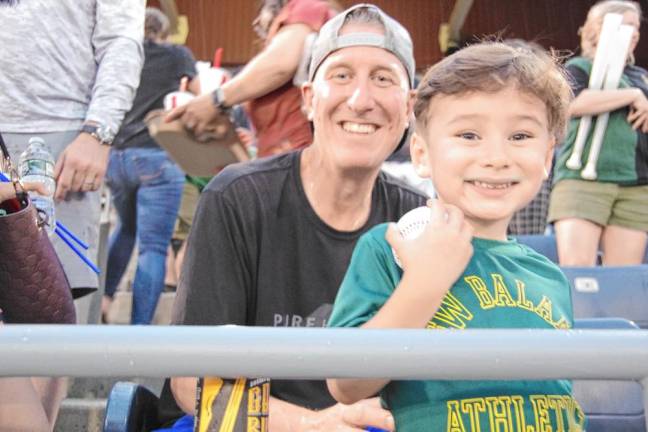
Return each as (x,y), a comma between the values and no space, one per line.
(617,162)
(199,182)
(505,285)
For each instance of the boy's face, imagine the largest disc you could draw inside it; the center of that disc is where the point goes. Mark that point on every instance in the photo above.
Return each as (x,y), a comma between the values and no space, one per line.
(486,153)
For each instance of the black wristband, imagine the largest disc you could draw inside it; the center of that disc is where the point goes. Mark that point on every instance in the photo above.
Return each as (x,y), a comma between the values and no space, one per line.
(218,100)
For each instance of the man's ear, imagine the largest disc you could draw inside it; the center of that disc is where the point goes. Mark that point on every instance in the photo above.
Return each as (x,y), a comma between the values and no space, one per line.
(411,97)
(307,97)
(420,155)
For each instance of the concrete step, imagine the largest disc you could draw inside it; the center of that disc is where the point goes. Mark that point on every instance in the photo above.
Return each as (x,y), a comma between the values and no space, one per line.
(100,387)
(81,415)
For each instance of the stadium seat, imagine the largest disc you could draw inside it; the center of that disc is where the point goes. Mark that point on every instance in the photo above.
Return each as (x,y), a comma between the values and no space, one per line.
(131,408)
(610,405)
(600,292)
(543,244)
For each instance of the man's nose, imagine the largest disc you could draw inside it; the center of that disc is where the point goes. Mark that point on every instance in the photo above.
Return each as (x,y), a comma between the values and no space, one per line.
(361,98)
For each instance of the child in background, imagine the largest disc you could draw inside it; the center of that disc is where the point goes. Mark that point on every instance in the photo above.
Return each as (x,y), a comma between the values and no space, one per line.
(487,120)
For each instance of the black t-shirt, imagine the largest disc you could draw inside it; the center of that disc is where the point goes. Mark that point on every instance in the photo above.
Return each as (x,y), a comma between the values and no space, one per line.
(164,66)
(259,255)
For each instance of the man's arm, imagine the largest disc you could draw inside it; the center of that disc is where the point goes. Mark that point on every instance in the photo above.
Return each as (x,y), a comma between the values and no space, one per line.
(269,70)
(117,42)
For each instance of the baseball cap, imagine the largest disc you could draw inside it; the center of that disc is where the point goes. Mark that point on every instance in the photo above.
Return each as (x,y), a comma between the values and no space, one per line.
(395,40)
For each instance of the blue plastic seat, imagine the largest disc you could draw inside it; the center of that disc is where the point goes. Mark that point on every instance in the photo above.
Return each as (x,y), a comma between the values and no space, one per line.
(543,244)
(599,292)
(610,405)
(131,408)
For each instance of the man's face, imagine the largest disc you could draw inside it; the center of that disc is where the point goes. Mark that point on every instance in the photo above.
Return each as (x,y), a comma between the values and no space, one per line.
(486,153)
(359,102)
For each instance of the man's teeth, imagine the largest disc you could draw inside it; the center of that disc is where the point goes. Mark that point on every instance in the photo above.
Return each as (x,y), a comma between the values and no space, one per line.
(492,185)
(358,128)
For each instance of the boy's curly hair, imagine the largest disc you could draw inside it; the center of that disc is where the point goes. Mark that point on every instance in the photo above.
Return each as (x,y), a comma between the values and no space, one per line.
(492,66)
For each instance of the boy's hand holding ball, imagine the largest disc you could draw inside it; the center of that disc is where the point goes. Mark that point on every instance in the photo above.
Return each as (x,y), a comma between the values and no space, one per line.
(434,253)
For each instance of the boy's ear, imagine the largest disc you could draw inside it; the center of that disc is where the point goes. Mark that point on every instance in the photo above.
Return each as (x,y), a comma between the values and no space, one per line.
(549,157)
(420,155)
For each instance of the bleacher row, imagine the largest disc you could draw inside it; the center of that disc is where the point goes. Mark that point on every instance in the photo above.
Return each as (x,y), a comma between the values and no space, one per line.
(603,298)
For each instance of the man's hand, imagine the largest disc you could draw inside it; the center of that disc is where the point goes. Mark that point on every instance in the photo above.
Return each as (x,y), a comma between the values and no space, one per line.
(81,167)
(348,418)
(195,115)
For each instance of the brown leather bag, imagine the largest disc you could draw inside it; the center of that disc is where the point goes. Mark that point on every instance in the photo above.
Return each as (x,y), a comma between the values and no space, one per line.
(33,285)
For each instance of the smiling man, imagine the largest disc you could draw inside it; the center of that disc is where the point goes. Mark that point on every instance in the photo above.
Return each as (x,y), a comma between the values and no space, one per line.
(273,238)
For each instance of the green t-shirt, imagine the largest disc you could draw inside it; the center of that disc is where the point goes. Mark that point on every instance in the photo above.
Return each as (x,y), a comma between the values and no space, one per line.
(505,285)
(617,159)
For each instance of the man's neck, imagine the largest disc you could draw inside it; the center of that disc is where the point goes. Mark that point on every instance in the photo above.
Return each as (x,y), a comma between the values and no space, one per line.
(341,198)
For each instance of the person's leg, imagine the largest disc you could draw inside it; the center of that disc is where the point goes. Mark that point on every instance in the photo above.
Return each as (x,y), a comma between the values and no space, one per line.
(624,239)
(623,246)
(122,240)
(20,406)
(51,391)
(188,205)
(578,241)
(158,200)
(579,210)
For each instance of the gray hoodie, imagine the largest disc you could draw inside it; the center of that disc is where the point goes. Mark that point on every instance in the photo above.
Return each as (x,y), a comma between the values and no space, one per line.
(66,61)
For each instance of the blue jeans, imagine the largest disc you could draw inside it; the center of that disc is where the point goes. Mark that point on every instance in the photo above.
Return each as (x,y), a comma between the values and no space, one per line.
(146,189)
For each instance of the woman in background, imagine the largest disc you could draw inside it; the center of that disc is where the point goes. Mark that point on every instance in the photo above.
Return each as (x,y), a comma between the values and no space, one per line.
(610,212)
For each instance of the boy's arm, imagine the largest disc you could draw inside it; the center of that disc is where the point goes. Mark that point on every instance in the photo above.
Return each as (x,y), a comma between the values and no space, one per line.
(431,264)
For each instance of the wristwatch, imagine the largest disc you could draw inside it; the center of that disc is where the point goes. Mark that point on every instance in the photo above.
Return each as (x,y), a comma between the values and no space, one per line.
(100,132)
(218,98)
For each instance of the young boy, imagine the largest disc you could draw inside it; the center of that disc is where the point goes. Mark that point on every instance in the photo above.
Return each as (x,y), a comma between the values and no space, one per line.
(487,121)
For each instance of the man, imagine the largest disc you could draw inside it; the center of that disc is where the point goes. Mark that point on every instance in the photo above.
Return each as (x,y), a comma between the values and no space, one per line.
(68,73)
(272,239)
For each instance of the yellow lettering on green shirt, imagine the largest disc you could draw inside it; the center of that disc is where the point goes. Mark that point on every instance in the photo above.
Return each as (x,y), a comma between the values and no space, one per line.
(559,405)
(499,413)
(452,312)
(541,413)
(481,291)
(455,424)
(544,309)
(522,300)
(473,407)
(502,294)
(518,407)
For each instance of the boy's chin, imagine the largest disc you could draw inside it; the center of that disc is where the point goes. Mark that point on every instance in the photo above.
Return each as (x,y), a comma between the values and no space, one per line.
(488,216)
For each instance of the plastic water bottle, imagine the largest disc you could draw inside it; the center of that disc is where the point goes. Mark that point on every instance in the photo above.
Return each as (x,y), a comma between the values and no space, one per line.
(37,166)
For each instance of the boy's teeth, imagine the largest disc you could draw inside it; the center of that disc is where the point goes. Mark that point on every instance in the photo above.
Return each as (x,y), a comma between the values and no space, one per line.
(492,185)
(358,128)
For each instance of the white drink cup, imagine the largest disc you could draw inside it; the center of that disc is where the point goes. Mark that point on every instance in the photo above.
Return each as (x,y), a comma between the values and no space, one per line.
(176,99)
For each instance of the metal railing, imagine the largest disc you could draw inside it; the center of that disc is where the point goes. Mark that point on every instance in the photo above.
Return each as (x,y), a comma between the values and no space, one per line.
(315,353)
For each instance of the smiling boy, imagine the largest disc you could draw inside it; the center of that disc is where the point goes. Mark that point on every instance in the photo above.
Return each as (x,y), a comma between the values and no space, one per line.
(487,121)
